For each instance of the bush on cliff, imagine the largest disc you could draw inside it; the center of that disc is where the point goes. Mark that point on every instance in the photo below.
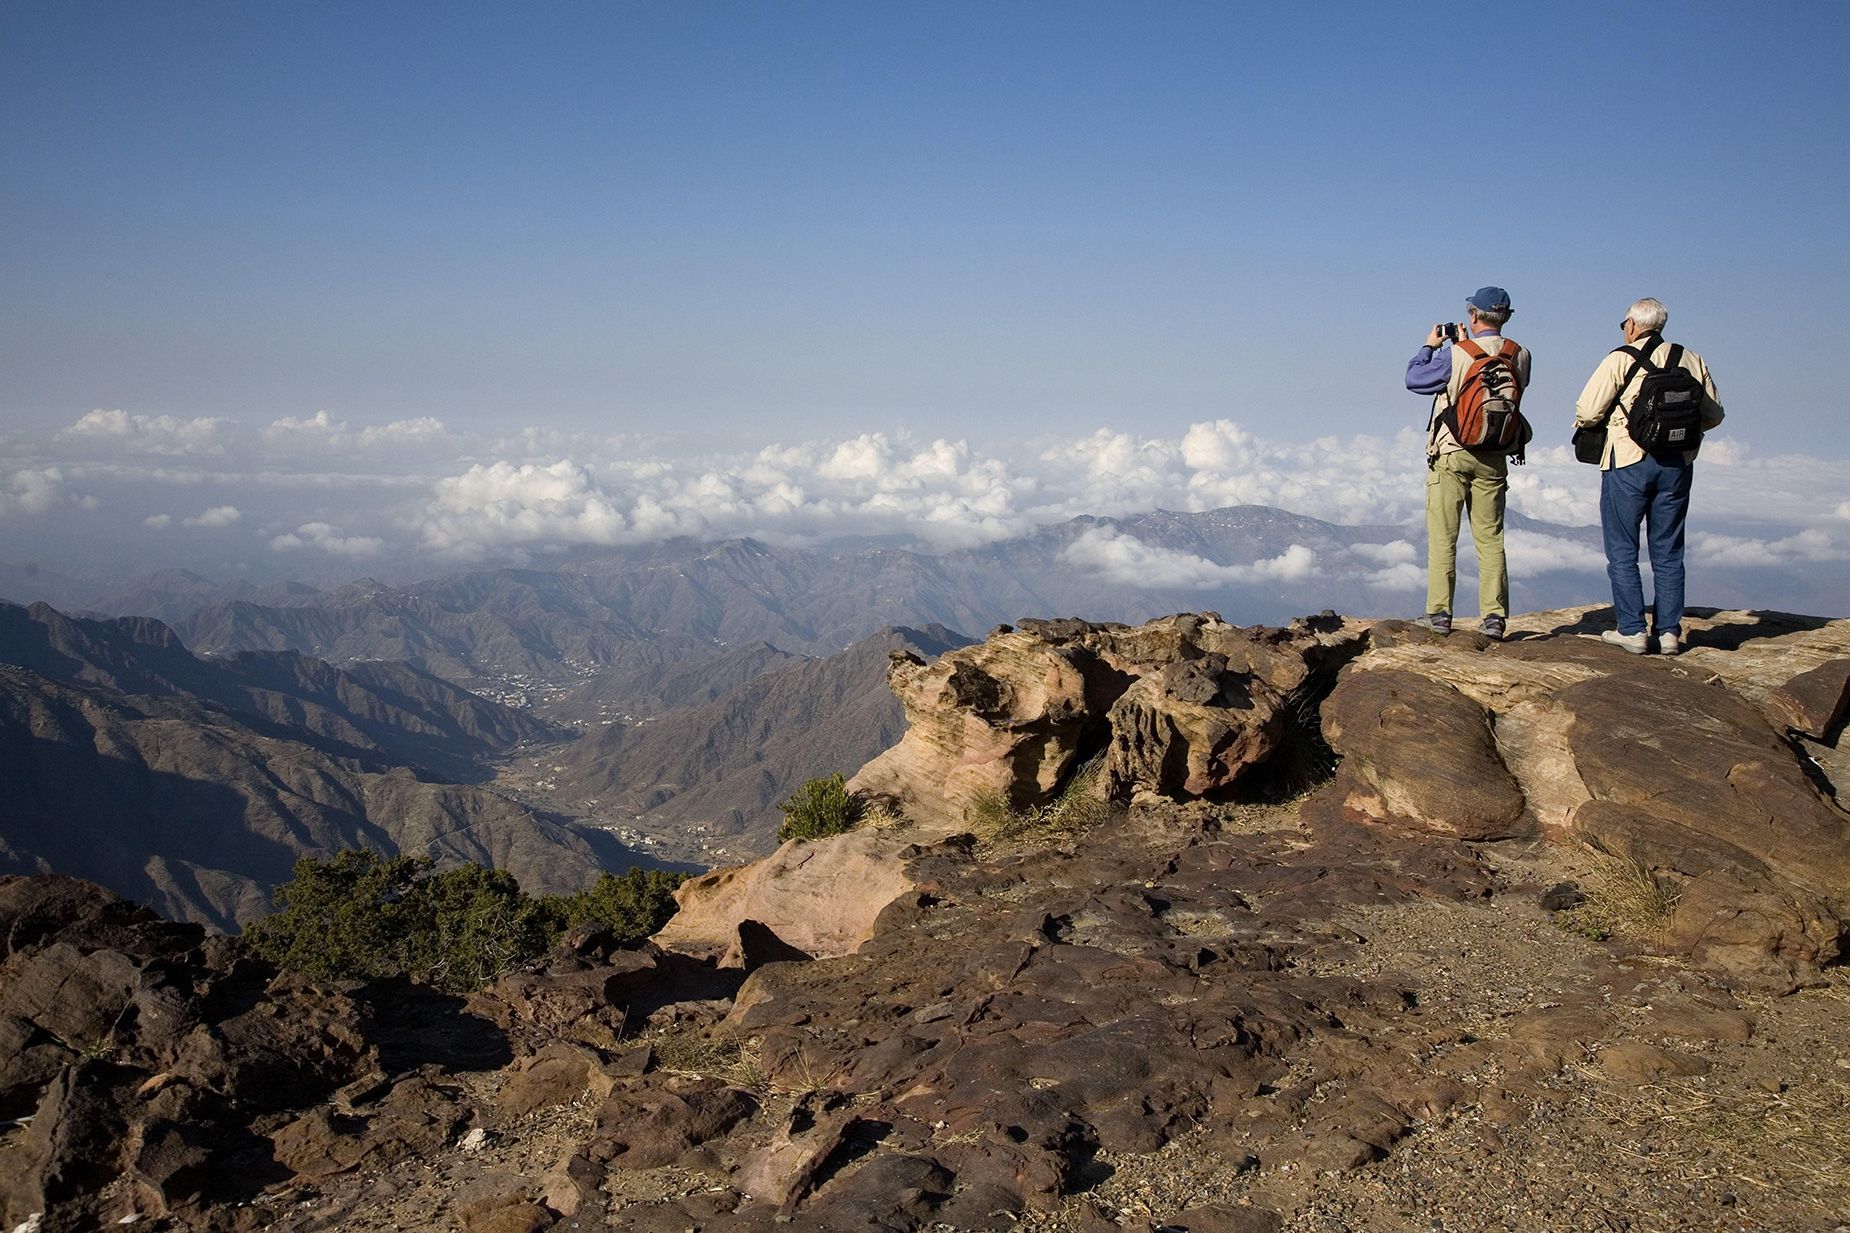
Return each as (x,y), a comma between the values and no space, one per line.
(821,807)
(361,916)
(632,905)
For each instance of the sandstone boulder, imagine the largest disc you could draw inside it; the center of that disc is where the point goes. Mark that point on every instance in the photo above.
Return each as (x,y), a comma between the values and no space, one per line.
(819,897)
(1670,764)
(1417,751)
(1813,702)
(1182,706)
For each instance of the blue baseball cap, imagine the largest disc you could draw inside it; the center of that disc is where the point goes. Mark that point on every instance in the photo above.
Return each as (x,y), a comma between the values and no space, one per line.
(1490,299)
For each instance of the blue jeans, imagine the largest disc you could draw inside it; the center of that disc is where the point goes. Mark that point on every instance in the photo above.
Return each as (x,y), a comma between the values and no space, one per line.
(1656,494)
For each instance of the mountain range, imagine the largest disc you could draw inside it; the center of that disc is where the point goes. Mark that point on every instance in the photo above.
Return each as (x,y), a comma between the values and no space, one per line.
(627,617)
(194,785)
(615,706)
(702,783)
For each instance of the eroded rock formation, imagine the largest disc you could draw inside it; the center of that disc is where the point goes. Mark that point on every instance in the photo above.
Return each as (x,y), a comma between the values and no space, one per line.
(1711,772)
(1184,707)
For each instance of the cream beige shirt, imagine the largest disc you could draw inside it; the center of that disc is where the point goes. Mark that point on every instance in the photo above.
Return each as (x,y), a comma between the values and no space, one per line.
(1443,442)
(1621,450)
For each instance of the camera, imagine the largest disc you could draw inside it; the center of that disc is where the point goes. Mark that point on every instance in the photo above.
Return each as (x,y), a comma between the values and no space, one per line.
(1449,331)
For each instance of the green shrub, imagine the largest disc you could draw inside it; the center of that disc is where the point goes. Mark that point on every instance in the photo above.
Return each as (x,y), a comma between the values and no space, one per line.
(362,916)
(632,906)
(823,806)
(468,925)
(341,919)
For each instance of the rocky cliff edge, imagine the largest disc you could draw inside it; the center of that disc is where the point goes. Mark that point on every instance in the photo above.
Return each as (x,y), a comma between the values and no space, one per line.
(906,1028)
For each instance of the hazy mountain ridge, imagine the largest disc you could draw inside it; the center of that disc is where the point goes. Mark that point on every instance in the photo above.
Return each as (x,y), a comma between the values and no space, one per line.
(395,711)
(530,635)
(594,611)
(185,807)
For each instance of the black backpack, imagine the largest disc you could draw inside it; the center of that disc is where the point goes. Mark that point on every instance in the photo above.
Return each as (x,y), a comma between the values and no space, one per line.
(1666,416)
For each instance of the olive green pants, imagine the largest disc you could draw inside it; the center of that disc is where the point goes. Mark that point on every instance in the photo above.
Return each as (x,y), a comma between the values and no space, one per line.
(1466,481)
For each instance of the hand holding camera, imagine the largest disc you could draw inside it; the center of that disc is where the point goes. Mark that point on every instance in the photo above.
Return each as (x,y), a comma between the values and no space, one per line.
(1444,333)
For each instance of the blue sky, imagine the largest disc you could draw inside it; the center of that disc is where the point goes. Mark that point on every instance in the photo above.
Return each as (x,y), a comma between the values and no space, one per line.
(860,216)
(727,226)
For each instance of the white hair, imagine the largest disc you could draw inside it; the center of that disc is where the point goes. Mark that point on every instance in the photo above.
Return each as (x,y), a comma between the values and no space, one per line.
(1494,317)
(1649,314)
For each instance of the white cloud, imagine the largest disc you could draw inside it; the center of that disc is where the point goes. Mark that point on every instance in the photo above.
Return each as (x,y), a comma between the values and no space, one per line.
(217,516)
(1219,446)
(1569,497)
(503,504)
(941,492)
(1530,552)
(158,522)
(1404,576)
(537,489)
(150,434)
(323,537)
(1814,544)
(31,491)
(1129,561)
(1724,451)
(1396,552)
(322,432)
(423,430)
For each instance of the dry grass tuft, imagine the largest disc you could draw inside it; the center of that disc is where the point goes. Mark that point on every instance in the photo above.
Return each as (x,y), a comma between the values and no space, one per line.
(693,1052)
(1077,809)
(1624,900)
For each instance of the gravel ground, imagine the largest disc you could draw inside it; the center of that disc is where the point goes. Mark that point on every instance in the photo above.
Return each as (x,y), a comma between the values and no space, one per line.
(1759,1142)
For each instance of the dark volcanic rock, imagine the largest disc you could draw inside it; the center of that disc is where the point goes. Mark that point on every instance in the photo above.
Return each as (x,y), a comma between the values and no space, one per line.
(647,1123)
(164,1074)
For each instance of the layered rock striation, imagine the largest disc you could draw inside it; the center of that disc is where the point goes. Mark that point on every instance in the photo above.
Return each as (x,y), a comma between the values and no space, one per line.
(1185,707)
(1699,770)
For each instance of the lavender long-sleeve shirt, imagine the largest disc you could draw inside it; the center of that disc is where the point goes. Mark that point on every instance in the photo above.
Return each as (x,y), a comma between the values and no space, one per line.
(1429,370)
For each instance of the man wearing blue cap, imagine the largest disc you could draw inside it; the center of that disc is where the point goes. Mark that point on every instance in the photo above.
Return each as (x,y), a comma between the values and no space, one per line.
(1460,480)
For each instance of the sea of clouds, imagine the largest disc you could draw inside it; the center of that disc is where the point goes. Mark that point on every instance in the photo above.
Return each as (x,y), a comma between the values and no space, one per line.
(420,495)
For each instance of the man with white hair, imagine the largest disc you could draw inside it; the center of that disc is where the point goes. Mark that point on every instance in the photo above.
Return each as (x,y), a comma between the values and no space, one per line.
(1655,399)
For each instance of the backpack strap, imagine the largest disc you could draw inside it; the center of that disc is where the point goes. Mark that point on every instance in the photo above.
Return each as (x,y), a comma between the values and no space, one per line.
(1641,358)
(1471,347)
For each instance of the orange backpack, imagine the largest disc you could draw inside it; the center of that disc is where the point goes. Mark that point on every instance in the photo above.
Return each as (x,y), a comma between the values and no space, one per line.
(1488,413)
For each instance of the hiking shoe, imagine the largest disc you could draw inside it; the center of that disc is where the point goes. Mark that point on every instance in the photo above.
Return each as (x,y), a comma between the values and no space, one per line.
(1438,622)
(1491,627)
(1668,644)
(1636,643)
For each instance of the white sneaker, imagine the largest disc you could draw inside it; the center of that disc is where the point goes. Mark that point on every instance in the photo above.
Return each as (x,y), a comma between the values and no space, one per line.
(1668,644)
(1634,643)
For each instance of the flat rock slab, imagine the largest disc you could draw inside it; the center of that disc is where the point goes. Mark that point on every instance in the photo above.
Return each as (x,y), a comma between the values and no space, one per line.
(1813,702)
(1677,765)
